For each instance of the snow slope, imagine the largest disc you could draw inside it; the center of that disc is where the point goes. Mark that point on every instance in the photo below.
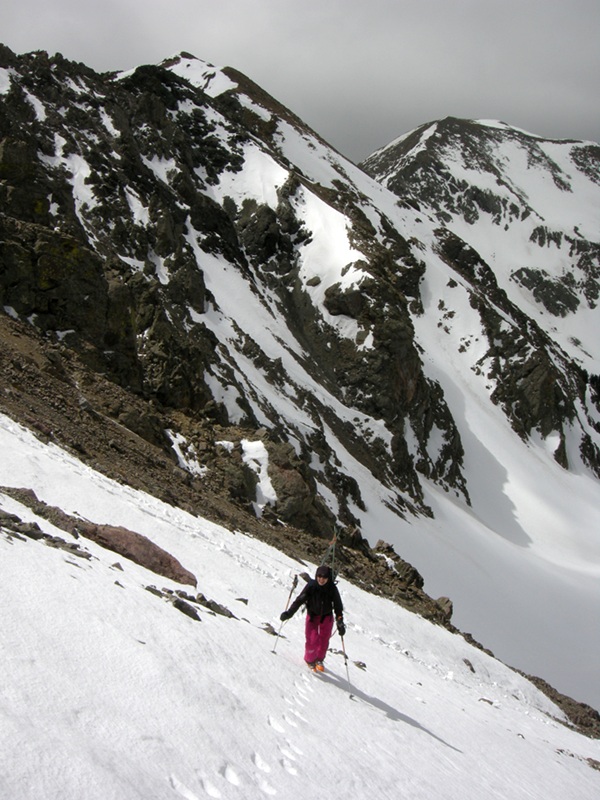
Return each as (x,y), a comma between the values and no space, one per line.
(109,692)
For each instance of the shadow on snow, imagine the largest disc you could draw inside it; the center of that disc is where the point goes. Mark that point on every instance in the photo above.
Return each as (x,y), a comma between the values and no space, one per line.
(390,712)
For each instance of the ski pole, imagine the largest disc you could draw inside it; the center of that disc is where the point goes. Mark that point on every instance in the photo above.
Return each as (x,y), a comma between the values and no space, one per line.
(294,584)
(347,672)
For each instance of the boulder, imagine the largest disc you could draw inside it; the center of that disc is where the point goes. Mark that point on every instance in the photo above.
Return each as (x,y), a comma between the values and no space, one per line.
(139,549)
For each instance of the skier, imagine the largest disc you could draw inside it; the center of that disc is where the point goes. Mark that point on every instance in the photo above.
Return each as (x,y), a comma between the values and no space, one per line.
(322,598)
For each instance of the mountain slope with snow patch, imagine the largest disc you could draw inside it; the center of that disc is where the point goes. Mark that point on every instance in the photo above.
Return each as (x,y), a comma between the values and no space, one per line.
(190,240)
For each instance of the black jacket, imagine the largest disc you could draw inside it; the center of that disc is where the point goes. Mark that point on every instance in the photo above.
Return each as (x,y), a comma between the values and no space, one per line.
(320,601)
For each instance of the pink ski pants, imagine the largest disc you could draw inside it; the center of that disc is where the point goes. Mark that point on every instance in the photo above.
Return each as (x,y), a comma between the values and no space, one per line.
(318,633)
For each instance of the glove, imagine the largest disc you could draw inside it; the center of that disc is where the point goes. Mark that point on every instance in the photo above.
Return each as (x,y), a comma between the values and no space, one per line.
(341,627)
(285,615)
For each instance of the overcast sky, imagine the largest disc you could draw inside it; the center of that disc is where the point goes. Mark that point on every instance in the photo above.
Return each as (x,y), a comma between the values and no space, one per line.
(360,72)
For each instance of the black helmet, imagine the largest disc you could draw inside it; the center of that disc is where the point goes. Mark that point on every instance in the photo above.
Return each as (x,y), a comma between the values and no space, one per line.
(323,572)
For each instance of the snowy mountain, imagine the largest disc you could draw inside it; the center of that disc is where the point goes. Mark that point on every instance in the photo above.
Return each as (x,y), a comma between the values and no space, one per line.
(529,207)
(205,302)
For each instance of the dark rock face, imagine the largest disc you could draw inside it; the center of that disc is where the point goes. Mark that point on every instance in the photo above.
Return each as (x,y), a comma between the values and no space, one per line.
(108,189)
(297,499)
(68,223)
(112,213)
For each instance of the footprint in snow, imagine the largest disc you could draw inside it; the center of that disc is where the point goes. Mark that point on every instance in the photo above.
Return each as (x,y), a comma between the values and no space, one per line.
(287,753)
(266,787)
(230,775)
(301,699)
(182,789)
(288,766)
(303,688)
(260,763)
(275,725)
(295,749)
(294,704)
(210,789)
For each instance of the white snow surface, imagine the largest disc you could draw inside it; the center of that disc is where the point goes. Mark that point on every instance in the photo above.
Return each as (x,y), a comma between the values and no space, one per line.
(259,179)
(110,693)
(5,81)
(255,455)
(79,170)
(200,73)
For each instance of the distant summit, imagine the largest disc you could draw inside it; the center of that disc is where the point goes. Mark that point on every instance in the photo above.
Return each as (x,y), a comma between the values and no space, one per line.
(518,200)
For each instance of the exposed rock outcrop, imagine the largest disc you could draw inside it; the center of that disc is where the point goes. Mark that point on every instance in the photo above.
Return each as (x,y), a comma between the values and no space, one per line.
(129,544)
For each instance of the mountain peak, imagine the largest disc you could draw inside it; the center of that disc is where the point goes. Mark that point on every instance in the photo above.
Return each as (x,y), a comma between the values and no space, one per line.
(516,198)
(212,80)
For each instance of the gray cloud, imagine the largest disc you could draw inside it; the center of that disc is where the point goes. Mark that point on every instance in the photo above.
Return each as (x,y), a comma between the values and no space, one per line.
(360,72)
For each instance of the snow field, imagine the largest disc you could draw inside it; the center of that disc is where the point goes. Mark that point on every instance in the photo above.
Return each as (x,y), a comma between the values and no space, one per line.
(109,692)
